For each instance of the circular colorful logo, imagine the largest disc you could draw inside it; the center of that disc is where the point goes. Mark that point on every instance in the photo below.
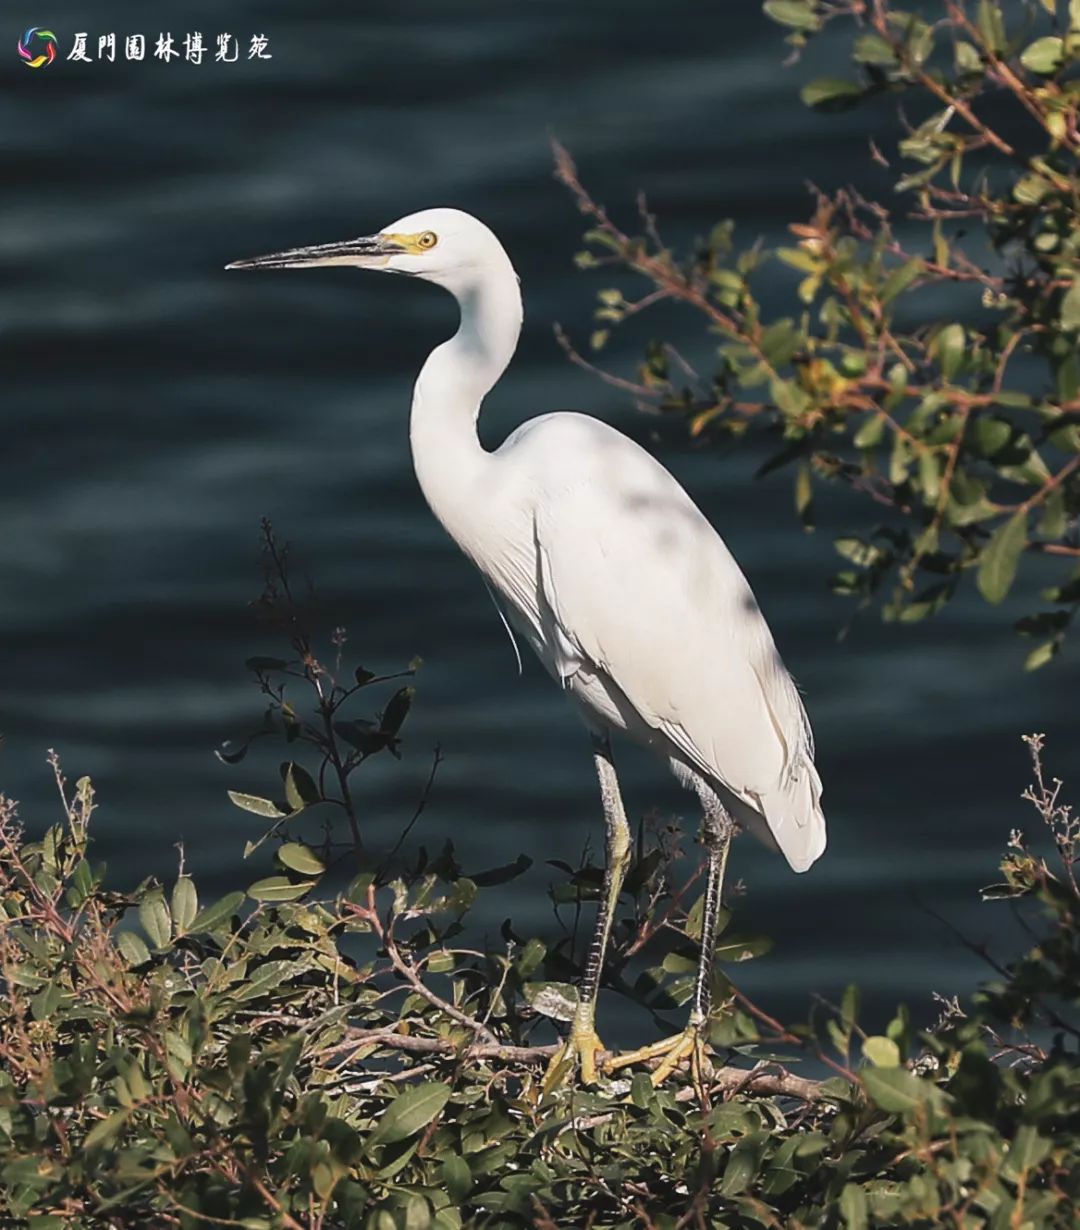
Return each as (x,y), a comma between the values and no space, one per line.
(26,47)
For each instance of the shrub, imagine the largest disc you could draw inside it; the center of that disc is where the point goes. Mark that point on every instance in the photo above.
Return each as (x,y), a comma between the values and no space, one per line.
(962,434)
(305,1056)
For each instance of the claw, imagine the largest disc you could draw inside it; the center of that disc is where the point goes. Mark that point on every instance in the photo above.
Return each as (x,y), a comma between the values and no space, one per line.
(671,1052)
(577,1054)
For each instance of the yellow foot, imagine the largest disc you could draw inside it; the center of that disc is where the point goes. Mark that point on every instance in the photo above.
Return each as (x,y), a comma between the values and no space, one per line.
(578,1053)
(671,1052)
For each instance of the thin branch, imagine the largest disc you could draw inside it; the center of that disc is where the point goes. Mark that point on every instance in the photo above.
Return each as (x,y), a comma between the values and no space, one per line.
(730,1080)
(425,795)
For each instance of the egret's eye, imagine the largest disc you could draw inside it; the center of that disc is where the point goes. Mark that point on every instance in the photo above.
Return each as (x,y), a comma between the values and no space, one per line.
(427,240)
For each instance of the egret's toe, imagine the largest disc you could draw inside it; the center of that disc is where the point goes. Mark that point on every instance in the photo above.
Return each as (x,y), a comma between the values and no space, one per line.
(673,1051)
(577,1055)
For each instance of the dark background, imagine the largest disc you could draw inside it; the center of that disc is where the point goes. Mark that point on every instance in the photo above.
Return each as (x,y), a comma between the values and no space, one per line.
(156,407)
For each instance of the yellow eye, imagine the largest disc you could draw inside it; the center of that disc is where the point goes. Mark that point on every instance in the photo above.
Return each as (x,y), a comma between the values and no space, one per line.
(427,240)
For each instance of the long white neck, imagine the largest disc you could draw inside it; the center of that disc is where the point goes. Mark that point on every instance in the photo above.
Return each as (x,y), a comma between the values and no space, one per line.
(447,454)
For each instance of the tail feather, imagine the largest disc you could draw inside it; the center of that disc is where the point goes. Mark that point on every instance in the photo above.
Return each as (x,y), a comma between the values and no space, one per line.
(794,816)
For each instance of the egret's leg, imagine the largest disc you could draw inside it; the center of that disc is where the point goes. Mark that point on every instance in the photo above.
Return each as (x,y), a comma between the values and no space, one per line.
(717,830)
(583,1044)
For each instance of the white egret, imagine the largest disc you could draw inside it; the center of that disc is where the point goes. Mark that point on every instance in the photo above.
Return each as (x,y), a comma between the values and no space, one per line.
(599,559)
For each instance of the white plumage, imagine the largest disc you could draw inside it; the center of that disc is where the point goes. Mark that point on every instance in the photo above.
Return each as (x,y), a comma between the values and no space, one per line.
(631,599)
(600,560)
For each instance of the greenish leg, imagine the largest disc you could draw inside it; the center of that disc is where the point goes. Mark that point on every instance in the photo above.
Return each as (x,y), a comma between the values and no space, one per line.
(583,1045)
(717,830)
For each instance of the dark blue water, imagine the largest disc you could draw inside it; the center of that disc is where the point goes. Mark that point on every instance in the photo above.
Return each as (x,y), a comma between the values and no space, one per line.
(156,407)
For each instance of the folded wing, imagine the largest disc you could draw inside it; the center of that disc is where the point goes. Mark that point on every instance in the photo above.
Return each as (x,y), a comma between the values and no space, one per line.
(642,587)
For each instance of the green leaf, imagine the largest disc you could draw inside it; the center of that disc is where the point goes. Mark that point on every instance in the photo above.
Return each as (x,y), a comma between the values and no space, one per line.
(185,902)
(212,917)
(409,1113)
(849,1006)
(503,874)
(831,94)
(997,568)
(790,399)
(929,476)
(882,1052)
(1027,1150)
(557,1000)
(456,1177)
(968,60)
(742,1166)
(897,1090)
(397,710)
(742,948)
(1041,654)
(1070,308)
(132,949)
(300,788)
(900,279)
(1030,189)
(989,435)
(417,1213)
(870,433)
(441,962)
(266,980)
(298,857)
(1044,55)
(854,1207)
(642,1091)
(278,888)
(948,345)
(927,602)
(804,497)
(797,258)
(155,918)
(916,35)
(1054,518)
(106,1131)
(47,1001)
(991,26)
(252,802)
(362,735)
(873,49)
(795,14)
(531,957)
(1066,437)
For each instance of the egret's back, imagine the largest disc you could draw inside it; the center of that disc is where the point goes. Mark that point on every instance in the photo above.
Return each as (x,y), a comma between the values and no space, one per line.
(615,574)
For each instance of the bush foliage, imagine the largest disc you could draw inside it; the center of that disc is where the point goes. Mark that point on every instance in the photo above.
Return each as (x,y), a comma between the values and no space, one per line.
(330,1047)
(961,434)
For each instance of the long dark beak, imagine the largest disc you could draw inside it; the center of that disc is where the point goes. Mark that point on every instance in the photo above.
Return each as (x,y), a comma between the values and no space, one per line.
(371,251)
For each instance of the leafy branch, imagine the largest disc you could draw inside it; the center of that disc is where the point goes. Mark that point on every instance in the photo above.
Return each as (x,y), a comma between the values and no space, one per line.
(349,1061)
(965,432)
(341,745)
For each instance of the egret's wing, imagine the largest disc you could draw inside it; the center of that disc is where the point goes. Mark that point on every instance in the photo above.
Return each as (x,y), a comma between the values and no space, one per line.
(636,582)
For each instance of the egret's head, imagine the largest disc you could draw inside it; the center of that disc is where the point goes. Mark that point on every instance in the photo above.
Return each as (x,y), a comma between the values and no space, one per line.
(445,246)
